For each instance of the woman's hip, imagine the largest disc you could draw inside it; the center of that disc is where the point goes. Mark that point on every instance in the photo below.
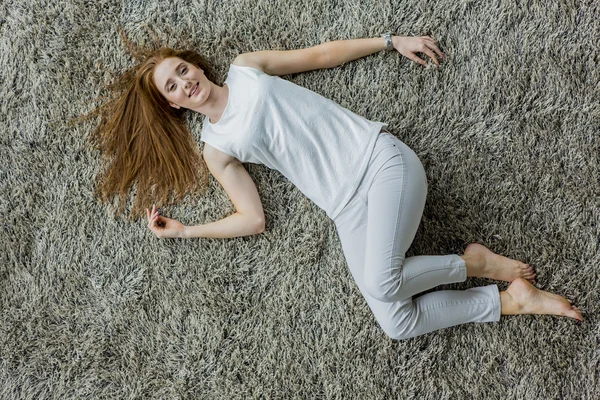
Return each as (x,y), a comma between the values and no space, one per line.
(392,158)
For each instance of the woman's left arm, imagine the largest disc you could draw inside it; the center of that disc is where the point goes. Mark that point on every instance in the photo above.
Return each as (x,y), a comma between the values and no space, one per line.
(339,52)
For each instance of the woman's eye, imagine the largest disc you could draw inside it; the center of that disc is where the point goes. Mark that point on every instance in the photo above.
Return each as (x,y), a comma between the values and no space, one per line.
(172,87)
(183,70)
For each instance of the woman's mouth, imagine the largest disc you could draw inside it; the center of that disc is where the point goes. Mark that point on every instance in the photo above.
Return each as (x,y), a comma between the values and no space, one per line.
(195,90)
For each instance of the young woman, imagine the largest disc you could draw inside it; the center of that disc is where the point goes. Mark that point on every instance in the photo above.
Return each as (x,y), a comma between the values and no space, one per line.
(368,182)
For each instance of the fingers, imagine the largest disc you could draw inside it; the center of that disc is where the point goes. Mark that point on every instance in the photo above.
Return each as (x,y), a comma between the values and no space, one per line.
(156,226)
(428,45)
(151,222)
(427,51)
(429,39)
(153,217)
(149,213)
(414,57)
(432,46)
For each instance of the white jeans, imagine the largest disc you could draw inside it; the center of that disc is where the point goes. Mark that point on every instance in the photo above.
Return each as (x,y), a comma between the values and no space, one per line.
(377,227)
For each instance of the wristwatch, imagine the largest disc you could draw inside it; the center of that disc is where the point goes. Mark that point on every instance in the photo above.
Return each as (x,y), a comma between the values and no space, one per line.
(388,40)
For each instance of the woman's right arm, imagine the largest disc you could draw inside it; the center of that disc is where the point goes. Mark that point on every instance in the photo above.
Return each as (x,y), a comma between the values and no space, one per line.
(249,218)
(233,226)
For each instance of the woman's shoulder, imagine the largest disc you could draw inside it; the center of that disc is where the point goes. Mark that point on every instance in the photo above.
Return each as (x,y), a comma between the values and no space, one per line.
(212,155)
(247,61)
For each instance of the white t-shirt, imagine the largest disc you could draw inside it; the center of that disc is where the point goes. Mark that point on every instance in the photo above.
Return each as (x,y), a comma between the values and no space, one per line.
(320,146)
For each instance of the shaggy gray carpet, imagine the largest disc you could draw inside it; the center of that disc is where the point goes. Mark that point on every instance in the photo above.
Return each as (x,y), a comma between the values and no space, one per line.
(507,129)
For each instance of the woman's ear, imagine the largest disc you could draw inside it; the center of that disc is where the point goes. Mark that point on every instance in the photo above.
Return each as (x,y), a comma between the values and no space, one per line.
(174,105)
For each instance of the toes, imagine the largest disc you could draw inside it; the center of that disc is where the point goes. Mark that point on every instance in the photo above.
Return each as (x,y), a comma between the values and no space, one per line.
(527,269)
(576,317)
(569,312)
(529,277)
(573,312)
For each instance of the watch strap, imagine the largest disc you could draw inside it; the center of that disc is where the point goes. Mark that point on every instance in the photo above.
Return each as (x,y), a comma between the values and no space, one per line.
(388,40)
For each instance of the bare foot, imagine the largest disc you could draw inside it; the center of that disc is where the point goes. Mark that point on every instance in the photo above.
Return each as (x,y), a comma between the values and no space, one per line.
(498,267)
(527,299)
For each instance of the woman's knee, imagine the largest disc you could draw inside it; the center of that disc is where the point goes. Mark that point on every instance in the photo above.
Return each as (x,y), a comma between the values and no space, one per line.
(379,292)
(397,326)
(386,288)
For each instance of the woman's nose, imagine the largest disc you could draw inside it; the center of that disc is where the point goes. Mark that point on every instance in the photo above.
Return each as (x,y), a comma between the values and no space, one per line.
(185,83)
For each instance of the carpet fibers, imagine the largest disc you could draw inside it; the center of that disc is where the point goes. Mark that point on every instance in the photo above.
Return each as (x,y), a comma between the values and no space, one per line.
(95,307)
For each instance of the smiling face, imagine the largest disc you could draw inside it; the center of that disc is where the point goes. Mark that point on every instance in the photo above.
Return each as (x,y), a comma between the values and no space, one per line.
(181,83)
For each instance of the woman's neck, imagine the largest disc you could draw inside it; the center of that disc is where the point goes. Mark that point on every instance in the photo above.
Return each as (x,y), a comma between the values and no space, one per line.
(215,104)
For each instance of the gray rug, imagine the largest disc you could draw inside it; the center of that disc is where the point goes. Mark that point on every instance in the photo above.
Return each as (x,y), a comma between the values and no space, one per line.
(507,129)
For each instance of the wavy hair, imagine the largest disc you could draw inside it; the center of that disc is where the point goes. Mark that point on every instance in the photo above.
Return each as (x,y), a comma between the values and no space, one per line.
(147,148)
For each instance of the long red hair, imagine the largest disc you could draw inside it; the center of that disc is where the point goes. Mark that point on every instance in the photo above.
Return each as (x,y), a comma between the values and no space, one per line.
(147,148)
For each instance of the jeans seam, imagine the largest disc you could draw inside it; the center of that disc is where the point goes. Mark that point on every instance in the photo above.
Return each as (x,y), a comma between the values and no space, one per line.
(458,304)
(453,266)
(399,211)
